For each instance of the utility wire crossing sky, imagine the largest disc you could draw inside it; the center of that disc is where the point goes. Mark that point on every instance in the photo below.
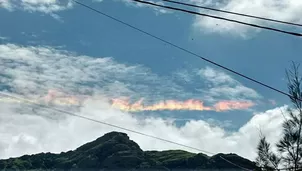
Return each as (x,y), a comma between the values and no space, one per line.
(234,13)
(221,18)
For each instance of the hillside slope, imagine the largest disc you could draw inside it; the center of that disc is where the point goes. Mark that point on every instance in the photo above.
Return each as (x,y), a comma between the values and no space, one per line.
(116,151)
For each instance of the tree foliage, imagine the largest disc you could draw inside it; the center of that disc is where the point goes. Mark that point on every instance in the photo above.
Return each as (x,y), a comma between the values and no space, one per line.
(289,154)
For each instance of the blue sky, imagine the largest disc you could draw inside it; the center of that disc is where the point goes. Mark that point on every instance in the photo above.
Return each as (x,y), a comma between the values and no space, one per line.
(119,61)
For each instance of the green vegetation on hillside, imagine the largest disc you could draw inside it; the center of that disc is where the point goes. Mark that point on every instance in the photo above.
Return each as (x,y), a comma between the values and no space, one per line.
(116,151)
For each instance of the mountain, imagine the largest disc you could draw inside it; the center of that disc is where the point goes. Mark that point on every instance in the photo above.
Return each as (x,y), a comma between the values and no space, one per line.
(115,151)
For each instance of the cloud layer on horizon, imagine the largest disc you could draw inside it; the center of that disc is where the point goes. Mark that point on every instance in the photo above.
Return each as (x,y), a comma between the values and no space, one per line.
(31,133)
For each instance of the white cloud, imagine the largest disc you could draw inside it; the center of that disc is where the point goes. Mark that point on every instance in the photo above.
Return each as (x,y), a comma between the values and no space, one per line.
(53,6)
(6,4)
(216,77)
(35,70)
(29,133)
(223,85)
(183,75)
(45,6)
(157,9)
(287,10)
(131,3)
(3,38)
(213,85)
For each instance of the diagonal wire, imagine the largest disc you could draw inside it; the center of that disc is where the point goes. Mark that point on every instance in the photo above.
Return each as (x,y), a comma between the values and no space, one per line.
(115,126)
(221,18)
(186,50)
(231,12)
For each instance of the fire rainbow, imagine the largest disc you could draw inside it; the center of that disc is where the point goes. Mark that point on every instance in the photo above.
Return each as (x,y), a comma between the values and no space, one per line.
(125,105)
(191,104)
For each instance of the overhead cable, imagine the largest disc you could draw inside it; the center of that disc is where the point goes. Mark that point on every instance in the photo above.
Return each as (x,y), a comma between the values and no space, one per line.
(221,18)
(231,12)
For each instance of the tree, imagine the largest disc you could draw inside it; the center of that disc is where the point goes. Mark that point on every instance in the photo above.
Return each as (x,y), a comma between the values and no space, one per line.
(266,159)
(289,154)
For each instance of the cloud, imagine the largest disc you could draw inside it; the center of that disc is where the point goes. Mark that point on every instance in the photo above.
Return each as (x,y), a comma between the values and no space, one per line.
(132,3)
(183,75)
(174,105)
(224,86)
(287,10)
(53,6)
(45,6)
(228,105)
(36,71)
(216,77)
(221,124)
(3,38)
(158,10)
(123,104)
(6,4)
(33,71)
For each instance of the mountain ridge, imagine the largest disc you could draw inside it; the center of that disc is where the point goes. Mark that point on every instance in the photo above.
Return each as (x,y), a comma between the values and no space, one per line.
(116,151)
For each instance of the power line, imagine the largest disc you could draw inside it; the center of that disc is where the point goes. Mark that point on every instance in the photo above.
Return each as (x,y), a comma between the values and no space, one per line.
(235,13)
(221,18)
(186,50)
(115,126)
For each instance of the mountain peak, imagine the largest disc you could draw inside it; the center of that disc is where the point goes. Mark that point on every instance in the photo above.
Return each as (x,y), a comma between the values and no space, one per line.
(115,150)
(114,134)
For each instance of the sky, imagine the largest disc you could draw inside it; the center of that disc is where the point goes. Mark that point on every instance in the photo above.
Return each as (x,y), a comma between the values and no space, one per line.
(62,55)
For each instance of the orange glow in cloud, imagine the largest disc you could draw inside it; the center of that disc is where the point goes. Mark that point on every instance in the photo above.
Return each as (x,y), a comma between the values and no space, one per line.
(163,105)
(58,98)
(233,105)
(191,104)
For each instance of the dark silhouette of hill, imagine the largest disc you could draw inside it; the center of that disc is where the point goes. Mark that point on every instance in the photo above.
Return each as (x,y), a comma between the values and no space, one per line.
(115,151)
